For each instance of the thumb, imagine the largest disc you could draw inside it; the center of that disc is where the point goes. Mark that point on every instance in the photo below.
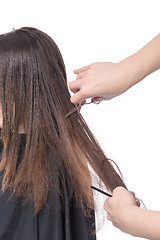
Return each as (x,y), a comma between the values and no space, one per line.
(77,98)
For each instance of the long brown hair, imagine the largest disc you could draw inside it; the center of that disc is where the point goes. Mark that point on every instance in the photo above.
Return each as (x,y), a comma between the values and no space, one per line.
(34,94)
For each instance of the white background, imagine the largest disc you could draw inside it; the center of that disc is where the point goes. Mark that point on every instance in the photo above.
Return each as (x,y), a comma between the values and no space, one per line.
(127,127)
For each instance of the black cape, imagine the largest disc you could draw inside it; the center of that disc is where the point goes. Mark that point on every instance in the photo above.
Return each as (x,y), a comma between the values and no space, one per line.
(17,220)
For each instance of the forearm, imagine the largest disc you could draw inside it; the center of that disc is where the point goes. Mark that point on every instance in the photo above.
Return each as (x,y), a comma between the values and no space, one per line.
(106,80)
(143,223)
(143,62)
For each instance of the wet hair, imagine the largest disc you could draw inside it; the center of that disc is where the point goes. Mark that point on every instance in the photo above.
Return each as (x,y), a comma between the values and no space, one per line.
(34,94)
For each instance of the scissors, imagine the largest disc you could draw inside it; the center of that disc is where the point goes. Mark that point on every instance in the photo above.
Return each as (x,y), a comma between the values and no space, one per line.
(78,107)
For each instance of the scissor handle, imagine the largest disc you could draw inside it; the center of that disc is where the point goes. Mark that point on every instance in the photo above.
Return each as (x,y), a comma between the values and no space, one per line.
(95,101)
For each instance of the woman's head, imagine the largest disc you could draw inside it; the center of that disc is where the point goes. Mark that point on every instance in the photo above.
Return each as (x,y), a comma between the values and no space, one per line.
(32,75)
(34,97)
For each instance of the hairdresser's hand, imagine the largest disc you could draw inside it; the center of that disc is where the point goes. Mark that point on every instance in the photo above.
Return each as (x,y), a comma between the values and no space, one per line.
(106,80)
(120,208)
(100,81)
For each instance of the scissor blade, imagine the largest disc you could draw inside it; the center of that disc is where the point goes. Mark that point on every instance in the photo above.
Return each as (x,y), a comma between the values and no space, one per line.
(71,111)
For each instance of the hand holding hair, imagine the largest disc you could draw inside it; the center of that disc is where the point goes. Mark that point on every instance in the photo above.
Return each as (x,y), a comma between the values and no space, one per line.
(118,207)
(124,212)
(106,80)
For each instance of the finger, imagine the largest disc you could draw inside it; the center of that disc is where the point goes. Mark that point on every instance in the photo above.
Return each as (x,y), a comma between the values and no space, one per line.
(75,90)
(132,193)
(83,69)
(105,206)
(74,86)
(137,200)
(77,98)
(109,217)
(95,99)
(80,75)
(83,102)
(138,203)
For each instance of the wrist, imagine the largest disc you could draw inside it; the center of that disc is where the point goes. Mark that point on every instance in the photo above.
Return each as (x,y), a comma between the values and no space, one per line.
(134,70)
(137,222)
(130,217)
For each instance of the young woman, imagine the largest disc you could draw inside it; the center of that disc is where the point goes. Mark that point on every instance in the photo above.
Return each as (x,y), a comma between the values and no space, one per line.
(45,180)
